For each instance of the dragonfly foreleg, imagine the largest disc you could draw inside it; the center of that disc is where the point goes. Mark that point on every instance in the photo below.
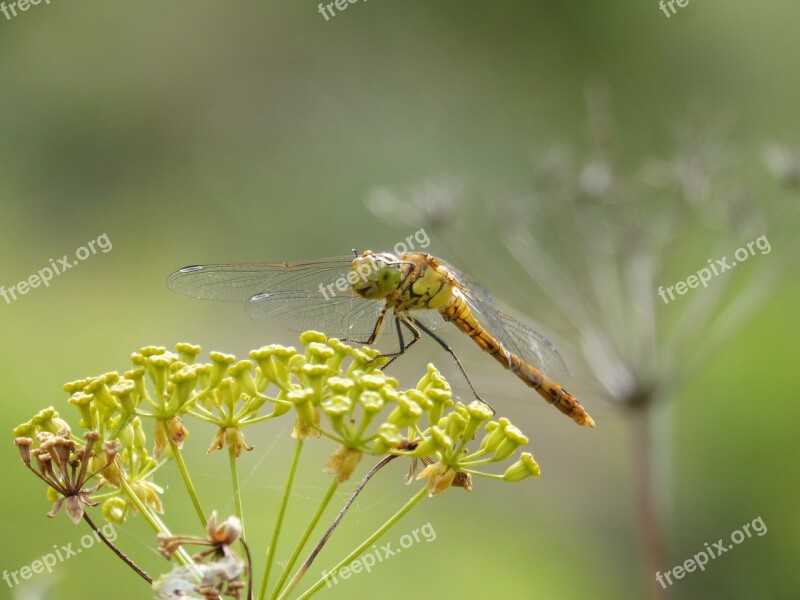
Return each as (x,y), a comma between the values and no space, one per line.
(375,331)
(377,328)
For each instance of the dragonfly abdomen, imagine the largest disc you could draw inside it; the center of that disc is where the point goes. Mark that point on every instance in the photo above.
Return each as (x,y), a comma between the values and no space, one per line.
(459,313)
(551,391)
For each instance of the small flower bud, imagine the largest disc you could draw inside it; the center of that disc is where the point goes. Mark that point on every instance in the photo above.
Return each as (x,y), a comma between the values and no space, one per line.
(272,361)
(525,467)
(309,337)
(318,353)
(439,400)
(76,386)
(302,403)
(184,381)
(158,370)
(83,402)
(139,438)
(406,413)
(137,377)
(242,372)
(336,408)
(340,385)
(419,398)
(479,413)
(371,402)
(148,351)
(296,363)
(493,434)
(513,439)
(114,510)
(389,394)
(125,393)
(187,352)
(219,367)
(98,388)
(436,442)
(387,438)
(313,376)
(454,425)
(372,381)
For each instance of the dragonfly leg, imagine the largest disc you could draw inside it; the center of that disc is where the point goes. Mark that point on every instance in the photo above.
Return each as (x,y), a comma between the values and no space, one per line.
(398,321)
(377,328)
(444,345)
(375,331)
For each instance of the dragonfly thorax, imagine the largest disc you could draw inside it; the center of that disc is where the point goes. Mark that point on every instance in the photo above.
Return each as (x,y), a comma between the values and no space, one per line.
(406,282)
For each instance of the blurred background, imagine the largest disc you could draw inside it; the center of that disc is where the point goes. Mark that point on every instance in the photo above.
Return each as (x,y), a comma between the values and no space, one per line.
(211,132)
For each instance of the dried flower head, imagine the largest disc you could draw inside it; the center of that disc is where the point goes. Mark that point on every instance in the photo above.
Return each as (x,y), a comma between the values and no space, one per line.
(63,465)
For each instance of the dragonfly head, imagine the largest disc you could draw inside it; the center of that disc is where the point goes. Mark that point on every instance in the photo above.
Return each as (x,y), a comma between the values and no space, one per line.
(375,276)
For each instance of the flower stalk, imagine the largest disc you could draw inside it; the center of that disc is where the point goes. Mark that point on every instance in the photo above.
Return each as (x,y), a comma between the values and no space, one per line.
(335,393)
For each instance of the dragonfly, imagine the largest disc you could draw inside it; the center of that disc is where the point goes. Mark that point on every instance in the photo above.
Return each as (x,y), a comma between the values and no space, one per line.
(350,297)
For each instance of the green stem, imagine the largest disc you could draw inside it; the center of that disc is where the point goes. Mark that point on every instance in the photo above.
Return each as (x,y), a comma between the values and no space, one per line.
(237,496)
(475,463)
(259,419)
(187,480)
(181,555)
(368,542)
(201,417)
(332,527)
(143,508)
(262,592)
(306,534)
(482,474)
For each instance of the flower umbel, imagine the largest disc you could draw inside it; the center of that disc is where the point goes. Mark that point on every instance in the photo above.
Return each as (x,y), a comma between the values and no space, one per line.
(339,394)
(63,464)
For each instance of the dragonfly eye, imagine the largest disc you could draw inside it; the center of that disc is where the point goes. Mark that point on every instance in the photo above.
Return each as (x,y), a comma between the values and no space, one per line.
(388,279)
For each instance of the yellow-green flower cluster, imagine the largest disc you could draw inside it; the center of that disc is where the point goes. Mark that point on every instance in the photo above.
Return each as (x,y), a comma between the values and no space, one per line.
(340,392)
(336,390)
(447,442)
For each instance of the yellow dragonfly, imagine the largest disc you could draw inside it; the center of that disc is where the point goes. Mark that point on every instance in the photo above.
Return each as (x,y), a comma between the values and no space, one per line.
(350,296)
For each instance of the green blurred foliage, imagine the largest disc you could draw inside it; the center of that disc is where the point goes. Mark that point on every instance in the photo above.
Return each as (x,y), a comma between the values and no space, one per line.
(218,132)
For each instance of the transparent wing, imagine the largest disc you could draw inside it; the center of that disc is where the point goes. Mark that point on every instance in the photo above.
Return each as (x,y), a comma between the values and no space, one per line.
(239,282)
(533,347)
(288,295)
(345,315)
(527,343)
